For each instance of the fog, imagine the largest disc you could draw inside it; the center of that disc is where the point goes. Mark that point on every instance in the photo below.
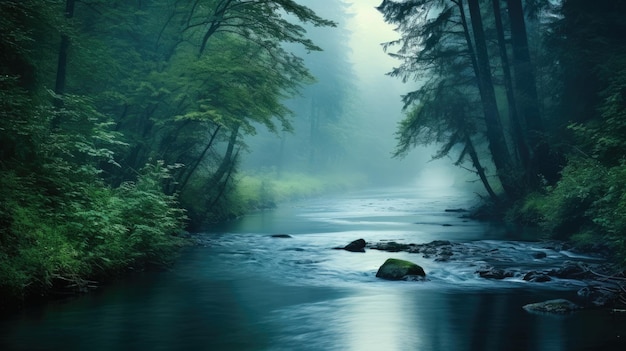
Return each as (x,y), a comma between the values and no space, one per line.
(345,121)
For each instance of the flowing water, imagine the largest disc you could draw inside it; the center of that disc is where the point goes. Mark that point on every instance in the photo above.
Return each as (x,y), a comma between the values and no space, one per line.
(245,290)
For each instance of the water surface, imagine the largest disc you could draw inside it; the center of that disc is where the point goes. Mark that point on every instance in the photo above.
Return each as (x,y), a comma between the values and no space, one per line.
(244,290)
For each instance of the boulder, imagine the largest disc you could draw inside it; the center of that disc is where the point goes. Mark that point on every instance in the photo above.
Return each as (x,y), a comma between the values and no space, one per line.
(356,246)
(558,306)
(396,269)
(536,277)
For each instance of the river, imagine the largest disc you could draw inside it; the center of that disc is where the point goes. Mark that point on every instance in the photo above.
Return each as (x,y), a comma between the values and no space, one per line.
(245,290)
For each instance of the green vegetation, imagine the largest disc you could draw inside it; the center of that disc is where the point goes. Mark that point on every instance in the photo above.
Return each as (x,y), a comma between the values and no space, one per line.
(530,96)
(122,124)
(266,190)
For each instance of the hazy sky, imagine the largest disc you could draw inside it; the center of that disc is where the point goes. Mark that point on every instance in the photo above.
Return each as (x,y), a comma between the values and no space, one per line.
(369,30)
(371,64)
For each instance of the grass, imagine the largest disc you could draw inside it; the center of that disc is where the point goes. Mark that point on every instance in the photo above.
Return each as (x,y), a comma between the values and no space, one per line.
(266,189)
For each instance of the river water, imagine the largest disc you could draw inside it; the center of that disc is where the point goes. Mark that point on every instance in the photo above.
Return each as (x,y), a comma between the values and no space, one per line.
(245,290)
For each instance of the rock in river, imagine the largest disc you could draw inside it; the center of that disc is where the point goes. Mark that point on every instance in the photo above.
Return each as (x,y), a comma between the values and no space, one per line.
(281,236)
(494,273)
(552,306)
(355,246)
(395,269)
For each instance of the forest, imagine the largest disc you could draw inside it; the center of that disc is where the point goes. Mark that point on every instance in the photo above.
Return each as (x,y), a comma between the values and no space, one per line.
(527,95)
(123,123)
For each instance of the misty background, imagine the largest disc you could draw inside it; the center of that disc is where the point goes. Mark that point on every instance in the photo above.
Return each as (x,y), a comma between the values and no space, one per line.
(345,122)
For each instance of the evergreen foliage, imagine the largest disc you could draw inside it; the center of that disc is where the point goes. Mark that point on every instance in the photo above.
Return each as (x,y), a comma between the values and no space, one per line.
(566,147)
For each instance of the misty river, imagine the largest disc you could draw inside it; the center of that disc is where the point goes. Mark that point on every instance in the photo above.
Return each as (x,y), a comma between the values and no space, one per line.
(245,290)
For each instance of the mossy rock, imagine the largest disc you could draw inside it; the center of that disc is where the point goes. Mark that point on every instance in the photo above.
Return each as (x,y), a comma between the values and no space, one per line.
(396,269)
(558,306)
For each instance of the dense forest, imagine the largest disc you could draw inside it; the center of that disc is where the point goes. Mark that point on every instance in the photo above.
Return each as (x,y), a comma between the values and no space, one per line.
(123,123)
(529,96)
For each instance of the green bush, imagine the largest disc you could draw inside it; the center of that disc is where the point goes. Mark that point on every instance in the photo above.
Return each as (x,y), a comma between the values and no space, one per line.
(101,231)
(568,207)
(587,206)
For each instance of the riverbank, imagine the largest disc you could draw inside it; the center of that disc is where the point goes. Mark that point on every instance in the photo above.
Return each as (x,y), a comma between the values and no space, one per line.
(246,290)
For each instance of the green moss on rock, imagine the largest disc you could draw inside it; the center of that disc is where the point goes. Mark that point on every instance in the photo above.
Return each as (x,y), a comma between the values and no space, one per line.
(396,269)
(558,306)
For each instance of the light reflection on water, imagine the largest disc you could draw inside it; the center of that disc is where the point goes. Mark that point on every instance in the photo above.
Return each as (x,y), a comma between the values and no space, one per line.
(247,291)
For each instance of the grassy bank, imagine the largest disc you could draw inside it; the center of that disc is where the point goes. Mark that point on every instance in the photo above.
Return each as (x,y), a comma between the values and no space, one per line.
(65,243)
(261,190)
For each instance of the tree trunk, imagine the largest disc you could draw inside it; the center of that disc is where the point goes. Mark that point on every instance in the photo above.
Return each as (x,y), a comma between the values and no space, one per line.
(187,175)
(495,134)
(216,22)
(528,98)
(231,168)
(61,78)
(59,87)
(522,68)
(516,126)
(225,164)
(479,168)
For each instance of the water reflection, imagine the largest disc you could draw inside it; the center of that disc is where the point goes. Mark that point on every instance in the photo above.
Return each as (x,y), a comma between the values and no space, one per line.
(410,320)
(252,292)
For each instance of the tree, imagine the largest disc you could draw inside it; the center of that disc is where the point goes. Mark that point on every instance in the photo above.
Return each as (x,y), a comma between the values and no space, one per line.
(445,116)
(260,21)
(495,133)
(441,46)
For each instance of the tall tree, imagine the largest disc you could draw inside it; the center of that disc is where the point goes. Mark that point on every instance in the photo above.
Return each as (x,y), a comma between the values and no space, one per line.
(527,100)
(256,20)
(495,132)
(59,88)
(441,43)
(516,125)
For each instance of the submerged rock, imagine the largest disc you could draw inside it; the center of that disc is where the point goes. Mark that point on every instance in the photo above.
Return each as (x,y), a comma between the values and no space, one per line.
(396,269)
(597,296)
(536,277)
(281,236)
(455,210)
(494,273)
(558,306)
(539,255)
(571,270)
(390,246)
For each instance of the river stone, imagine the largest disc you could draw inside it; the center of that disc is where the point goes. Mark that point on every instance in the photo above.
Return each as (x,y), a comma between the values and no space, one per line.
(539,255)
(597,296)
(571,270)
(536,277)
(558,306)
(356,246)
(395,269)
(495,273)
(391,246)
(281,236)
